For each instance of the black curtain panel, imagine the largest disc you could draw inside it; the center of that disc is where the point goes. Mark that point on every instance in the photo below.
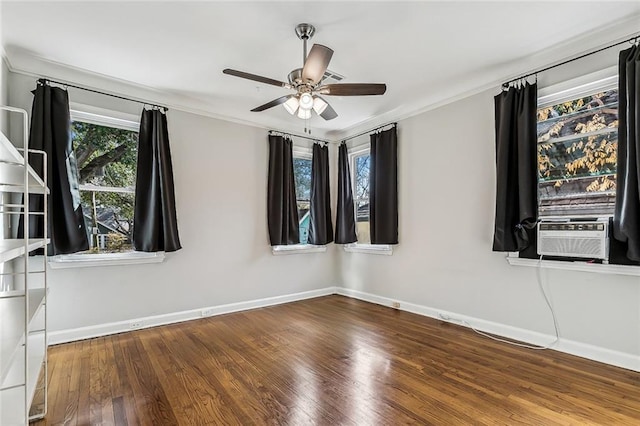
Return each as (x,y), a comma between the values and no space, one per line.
(626,219)
(516,167)
(345,216)
(50,132)
(383,187)
(320,227)
(282,210)
(155,225)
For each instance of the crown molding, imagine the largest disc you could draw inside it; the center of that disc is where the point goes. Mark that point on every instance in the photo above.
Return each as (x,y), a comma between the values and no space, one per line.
(37,67)
(560,52)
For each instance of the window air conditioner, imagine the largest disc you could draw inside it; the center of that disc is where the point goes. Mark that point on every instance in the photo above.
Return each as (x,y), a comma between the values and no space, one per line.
(587,239)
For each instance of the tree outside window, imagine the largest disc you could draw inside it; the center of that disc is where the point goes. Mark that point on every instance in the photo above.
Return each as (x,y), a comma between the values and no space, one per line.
(106,159)
(577,155)
(302,177)
(361,167)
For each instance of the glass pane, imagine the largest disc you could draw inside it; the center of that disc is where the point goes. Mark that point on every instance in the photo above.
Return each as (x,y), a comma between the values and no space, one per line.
(105,156)
(109,220)
(361,191)
(362,221)
(362,164)
(577,155)
(302,177)
(580,157)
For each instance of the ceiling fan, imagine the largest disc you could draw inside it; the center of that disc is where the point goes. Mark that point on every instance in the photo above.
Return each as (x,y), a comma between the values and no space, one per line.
(307,82)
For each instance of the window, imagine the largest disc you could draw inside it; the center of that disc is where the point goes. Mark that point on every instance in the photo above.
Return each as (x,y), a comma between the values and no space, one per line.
(361,163)
(106,156)
(577,135)
(302,177)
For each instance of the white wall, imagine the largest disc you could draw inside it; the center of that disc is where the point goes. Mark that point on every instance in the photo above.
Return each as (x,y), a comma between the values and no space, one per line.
(444,260)
(220,172)
(4,94)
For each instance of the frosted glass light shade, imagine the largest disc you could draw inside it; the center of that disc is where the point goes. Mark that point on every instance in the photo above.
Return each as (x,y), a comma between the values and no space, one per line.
(306,101)
(319,105)
(291,105)
(305,114)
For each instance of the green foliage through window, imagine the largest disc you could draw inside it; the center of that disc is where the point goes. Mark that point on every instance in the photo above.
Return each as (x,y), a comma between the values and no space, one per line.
(106,159)
(577,155)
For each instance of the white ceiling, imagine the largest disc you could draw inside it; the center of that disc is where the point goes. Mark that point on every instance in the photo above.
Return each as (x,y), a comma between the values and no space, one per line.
(426,52)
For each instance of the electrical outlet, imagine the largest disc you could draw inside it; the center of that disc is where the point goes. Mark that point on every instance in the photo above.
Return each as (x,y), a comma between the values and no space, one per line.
(395,305)
(135,324)
(206,312)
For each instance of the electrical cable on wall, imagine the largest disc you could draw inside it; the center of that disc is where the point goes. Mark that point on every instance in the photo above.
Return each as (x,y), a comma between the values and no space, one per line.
(553,315)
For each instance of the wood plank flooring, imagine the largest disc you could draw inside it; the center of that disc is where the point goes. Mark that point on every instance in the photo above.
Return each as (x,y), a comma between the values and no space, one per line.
(328,361)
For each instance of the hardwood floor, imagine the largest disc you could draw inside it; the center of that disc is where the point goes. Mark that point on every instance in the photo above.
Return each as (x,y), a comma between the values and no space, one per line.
(328,361)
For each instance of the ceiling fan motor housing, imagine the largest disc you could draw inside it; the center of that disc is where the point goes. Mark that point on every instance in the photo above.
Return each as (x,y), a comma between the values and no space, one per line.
(305,31)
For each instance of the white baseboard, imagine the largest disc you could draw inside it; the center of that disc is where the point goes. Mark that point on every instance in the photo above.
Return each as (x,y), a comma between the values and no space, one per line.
(595,353)
(607,356)
(70,335)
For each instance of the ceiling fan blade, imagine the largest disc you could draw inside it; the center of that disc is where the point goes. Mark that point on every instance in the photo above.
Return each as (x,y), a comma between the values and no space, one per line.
(258,78)
(328,113)
(273,103)
(316,63)
(353,89)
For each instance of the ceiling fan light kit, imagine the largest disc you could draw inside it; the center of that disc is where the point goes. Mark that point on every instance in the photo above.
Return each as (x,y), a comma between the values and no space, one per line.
(304,114)
(319,105)
(307,82)
(291,105)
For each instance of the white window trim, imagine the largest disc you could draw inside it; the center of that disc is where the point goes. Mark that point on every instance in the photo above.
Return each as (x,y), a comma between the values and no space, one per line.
(119,120)
(302,152)
(379,249)
(297,249)
(570,89)
(104,117)
(76,260)
(583,266)
(598,81)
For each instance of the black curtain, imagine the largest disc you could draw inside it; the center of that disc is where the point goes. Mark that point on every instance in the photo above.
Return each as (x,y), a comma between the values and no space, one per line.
(516,167)
(282,210)
(320,227)
(50,132)
(383,187)
(345,217)
(155,226)
(626,219)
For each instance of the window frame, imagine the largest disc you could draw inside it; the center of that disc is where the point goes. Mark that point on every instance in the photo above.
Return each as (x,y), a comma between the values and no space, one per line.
(307,154)
(551,95)
(571,90)
(119,120)
(358,247)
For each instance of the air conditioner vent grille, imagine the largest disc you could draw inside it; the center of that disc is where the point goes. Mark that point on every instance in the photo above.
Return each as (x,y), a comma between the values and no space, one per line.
(582,240)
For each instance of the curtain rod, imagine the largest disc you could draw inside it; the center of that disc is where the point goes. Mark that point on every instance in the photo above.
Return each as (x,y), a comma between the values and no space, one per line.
(299,136)
(103,93)
(372,130)
(634,38)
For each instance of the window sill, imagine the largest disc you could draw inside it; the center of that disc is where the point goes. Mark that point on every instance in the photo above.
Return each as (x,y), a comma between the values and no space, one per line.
(379,249)
(104,259)
(297,249)
(599,268)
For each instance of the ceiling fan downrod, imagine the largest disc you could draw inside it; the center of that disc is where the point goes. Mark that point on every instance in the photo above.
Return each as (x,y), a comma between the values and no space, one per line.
(304,33)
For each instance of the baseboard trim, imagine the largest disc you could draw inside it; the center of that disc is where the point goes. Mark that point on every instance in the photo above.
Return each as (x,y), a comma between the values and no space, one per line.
(595,353)
(583,350)
(71,335)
